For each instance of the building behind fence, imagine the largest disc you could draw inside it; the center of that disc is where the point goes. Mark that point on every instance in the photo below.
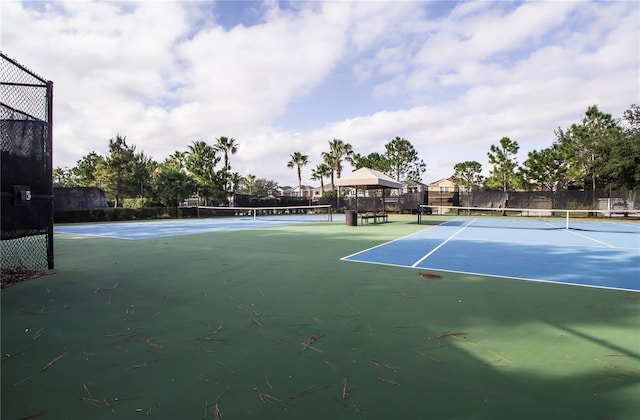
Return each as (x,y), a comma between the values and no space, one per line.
(26,224)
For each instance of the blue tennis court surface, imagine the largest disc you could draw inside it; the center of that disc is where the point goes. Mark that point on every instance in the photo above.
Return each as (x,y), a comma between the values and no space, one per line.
(156,229)
(593,254)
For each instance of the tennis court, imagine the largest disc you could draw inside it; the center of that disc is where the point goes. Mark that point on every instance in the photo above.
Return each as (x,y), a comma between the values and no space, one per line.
(223,218)
(270,323)
(157,229)
(592,253)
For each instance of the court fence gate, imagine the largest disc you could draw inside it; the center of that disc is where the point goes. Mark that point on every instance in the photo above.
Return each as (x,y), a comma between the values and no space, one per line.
(26,139)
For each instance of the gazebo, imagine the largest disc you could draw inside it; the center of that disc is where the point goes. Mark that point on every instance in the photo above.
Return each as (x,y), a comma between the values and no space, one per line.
(368,179)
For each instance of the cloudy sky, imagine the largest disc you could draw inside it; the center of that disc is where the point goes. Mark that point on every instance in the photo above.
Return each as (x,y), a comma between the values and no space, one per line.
(283,77)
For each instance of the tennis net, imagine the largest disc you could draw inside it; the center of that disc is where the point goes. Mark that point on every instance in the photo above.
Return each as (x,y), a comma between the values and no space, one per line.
(619,221)
(290,213)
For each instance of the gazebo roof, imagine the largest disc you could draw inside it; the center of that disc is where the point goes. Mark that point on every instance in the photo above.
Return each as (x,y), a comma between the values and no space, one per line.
(368,179)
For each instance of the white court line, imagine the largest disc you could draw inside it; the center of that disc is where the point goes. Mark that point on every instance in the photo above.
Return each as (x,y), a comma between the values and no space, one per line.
(442,244)
(591,239)
(386,243)
(498,276)
(348,257)
(75,235)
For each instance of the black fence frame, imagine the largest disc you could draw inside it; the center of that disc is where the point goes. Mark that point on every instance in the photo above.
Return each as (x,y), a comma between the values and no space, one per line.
(26,101)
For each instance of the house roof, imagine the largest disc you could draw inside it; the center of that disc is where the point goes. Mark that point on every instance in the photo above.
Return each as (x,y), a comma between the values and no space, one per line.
(367,178)
(440,181)
(304,187)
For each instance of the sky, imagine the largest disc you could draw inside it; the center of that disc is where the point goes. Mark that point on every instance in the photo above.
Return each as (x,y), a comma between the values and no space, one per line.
(451,77)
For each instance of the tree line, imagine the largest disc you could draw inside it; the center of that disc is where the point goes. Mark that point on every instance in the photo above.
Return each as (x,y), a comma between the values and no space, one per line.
(400,161)
(134,179)
(125,174)
(599,152)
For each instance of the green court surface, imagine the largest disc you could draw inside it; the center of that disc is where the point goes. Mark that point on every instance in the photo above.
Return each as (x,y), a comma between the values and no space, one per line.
(270,323)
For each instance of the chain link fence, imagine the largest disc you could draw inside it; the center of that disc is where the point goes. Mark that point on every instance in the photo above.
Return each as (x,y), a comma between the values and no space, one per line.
(571,200)
(26,219)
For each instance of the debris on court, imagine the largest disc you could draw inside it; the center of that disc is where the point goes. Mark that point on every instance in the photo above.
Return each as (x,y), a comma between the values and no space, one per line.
(346,389)
(309,391)
(431,276)
(314,337)
(11,276)
(458,335)
(269,399)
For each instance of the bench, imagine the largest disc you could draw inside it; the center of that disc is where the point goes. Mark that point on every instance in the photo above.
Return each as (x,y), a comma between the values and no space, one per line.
(364,217)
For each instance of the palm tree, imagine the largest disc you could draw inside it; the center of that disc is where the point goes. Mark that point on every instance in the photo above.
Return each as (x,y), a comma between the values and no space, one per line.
(320,172)
(236,180)
(177,159)
(338,150)
(329,161)
(250,182)
(200,161)
(225,146)
(298,160)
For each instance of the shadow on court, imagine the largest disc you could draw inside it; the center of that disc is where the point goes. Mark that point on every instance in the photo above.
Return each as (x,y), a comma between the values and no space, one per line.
(269,323)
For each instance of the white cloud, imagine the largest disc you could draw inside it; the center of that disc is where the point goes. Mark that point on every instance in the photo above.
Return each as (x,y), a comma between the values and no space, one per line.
(167,73)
